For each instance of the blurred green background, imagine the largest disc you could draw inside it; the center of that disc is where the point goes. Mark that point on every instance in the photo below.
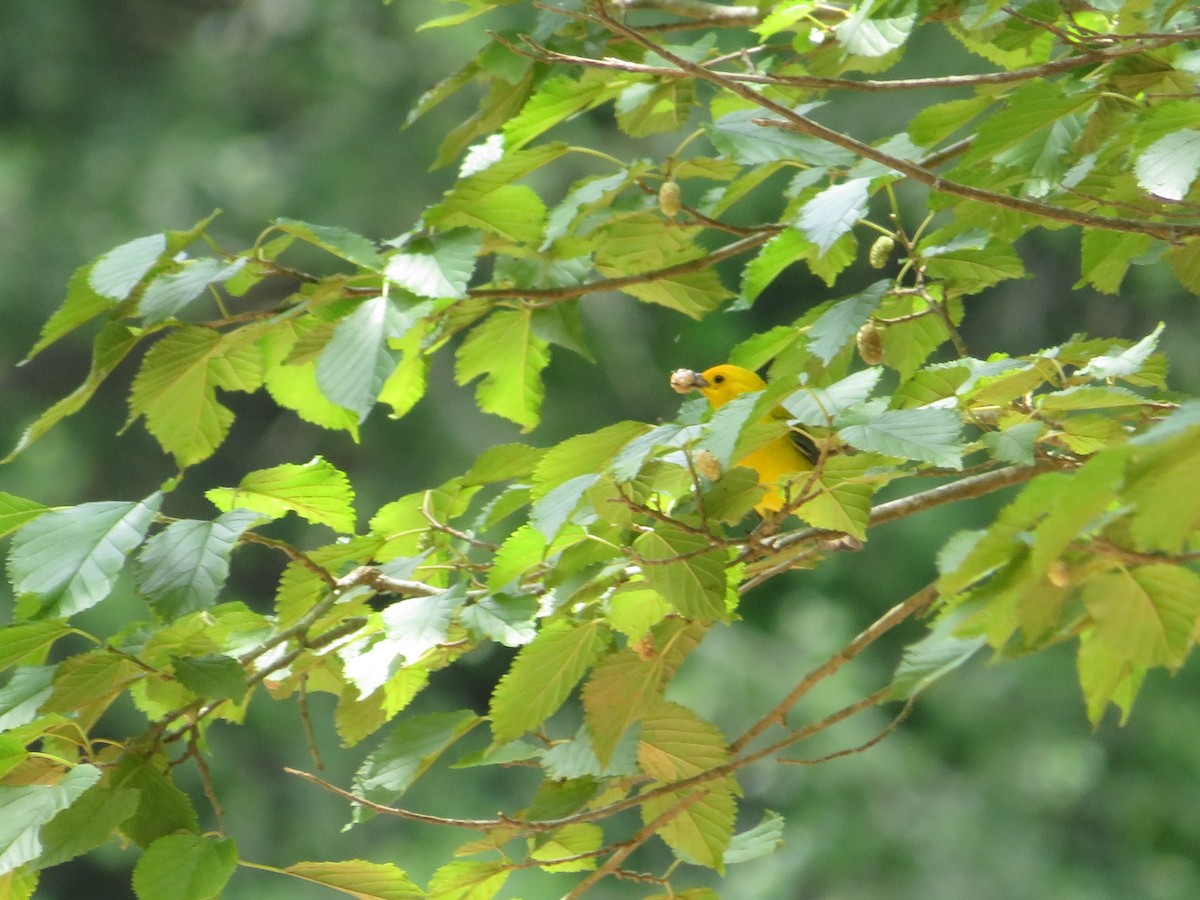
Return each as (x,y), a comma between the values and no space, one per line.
(133,116)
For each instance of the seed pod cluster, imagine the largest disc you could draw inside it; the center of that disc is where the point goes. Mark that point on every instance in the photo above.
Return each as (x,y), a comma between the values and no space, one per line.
(880,251)
(869,344)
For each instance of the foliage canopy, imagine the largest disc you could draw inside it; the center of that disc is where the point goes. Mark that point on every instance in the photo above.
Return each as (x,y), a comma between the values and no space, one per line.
(604,561)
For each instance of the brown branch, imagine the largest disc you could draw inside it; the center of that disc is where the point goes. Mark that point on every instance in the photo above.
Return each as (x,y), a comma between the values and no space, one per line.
(881,626)
(865,745)
(540,298)
(791,120)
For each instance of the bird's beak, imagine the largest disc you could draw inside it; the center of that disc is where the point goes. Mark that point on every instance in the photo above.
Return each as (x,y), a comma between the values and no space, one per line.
(684,380)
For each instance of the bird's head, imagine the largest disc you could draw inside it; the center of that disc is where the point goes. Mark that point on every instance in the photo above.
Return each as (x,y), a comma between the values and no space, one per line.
(720,384)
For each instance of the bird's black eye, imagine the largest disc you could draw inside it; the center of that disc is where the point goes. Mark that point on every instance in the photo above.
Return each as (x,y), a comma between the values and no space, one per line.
(717,379)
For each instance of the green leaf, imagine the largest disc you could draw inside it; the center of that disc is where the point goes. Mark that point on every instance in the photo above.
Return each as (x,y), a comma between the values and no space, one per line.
(938,654)
(763,839)
(409,749)
(316,491)
(86,824)
(701,833)
(781,251)
(822,405)
(70,558)
(543,674)
(82,304)
(506,620)
(1106,256)
(935,123)
(1106,676)
(163,808)
(1014,444)
(168,294)
(836,327)
(583,454)
(356,363)
(1146,615)
(620,690)
(111,346)
(341,242)
(678,744)
(438,266)
(694,294)
(489,200)
(185,867)
(24,810)
(678,567)
(214,677)
(28,641)
(834,211)
(359,878)
(464,880)
(22,697)
(928,434)
(1118,363)
(738,136)
(183,568)
(117,272)
(969,271)
(1168,167)
(175,389)
(557,100)
(872,37)
(16,511)
(503,462)
(510,355)
(569,841)
(555,508)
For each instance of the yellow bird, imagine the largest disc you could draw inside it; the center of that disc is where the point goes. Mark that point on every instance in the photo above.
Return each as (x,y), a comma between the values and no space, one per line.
(775,461)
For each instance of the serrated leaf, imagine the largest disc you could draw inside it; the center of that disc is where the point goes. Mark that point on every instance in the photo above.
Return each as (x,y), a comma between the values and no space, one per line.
(1120,363)
(690,578)
(929,659)
(215,677)
(28,641)
(737,136)
(341,242)
(677,744)
(82,304)
(970,271)
(621,688)
(407,752)
(834,211)
(70,558)
(184,867)
(573,840)
(575,759)
(694,294)
(1106,676)
(183,568)
(111,346)
(1146,615)
(555,508)
(16,511)
(763,839)
(872,37)
(316,491)
(168,294)
(1168,167)
(836,327)
(1014,444)
(1106,257)
(556,100)
(163,808)
(583,454)
(701,832)
(356,363)
(822,405)
(86,824)
(935,123)
(509,354)
(22,697)
(781,251)
(505,620)
(543,674)
(464,880)
(928,434)
(118,271)
(440,266)
(25,809)
(175,389)
(359,878)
